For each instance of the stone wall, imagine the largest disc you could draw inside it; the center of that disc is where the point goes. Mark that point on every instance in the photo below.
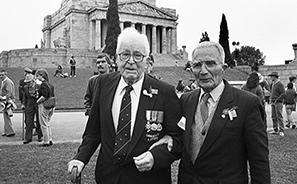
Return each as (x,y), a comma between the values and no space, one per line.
(51,57)
(284,71)
(47,58)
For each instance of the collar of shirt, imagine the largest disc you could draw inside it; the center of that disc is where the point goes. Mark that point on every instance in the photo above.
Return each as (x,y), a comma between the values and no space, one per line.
(215,93)
(136,86)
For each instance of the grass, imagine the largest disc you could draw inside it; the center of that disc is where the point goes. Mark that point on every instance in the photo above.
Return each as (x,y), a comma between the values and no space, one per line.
(35,165)
(69,92)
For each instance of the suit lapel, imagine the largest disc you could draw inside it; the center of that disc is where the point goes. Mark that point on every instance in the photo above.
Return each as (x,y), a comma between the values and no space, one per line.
(218,122)
(190,112)
(110,87)
(145,103)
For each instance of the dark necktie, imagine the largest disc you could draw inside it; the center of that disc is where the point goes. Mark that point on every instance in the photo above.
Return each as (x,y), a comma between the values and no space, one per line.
(123,129)
(196,135)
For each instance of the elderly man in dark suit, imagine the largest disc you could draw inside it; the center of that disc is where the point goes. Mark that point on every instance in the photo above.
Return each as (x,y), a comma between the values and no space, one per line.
(224,129)
(151,110)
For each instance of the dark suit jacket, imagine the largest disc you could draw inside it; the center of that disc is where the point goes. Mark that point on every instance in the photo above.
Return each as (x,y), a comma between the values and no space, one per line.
(228,144)
(91,88)
(100,129)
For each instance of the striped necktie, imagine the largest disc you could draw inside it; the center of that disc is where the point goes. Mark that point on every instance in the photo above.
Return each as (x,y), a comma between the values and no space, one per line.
(123,129)
(204,107)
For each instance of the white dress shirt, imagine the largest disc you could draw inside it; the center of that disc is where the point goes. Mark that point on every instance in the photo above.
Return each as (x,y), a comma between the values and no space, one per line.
(135,96)
(215,95)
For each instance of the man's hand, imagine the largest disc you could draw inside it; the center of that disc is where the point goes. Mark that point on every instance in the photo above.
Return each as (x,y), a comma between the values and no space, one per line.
(144,162)
(80,165)
(167,139)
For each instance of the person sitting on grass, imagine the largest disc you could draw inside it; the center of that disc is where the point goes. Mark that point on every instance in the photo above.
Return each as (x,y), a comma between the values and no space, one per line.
(59,72)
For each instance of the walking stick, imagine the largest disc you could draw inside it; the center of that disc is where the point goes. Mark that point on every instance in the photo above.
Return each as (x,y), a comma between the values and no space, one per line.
(73,176)
(23,122)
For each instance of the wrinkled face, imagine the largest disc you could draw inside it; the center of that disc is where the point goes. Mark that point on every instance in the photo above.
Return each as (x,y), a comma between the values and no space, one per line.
(102,65)
(131,61)
(207,68)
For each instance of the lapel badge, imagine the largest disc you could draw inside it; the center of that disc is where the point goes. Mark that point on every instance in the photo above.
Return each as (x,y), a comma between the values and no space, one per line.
(230,112)
(150,92)
(145,92)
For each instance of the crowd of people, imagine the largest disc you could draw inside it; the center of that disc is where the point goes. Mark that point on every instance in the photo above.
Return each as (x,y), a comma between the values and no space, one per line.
(34,94)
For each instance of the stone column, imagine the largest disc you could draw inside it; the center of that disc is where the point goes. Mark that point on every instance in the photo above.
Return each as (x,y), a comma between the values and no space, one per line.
(47,38)
(295,51)
(169,41)
(133,24)
(164,41)
(122,26)
(98,34)
(91,35)
(173,41)
(143,29)
(154,39)
(47,32)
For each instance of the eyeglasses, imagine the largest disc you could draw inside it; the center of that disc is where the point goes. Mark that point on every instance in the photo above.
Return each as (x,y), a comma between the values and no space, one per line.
(126,56)
(208,64)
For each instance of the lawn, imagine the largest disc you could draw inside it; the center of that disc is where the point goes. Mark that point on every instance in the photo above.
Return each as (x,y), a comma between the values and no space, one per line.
(69,92)
(35,165)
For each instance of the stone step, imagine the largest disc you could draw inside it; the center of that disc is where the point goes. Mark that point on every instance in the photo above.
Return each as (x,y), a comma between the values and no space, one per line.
(168,60)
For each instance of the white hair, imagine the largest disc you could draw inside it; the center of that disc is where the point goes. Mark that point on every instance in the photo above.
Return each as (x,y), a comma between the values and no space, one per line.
(132,37)
(210,44)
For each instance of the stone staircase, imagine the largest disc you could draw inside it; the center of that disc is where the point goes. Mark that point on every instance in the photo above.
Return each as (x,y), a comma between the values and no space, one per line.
(168,60)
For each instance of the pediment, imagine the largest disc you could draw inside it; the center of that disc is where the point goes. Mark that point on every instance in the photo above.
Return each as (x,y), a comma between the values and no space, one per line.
(142,8)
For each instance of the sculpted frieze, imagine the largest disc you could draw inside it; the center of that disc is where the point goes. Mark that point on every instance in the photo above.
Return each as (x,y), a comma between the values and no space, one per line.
(142,9)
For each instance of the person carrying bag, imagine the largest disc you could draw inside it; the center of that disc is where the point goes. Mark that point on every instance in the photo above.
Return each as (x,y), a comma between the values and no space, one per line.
(46,104)
(50,102)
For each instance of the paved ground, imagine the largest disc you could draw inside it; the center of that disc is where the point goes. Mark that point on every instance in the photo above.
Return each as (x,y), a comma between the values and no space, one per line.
(69,126)
(66,126)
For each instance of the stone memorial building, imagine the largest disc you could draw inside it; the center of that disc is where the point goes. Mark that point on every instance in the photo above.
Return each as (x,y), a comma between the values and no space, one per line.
(79,28)
(81,24)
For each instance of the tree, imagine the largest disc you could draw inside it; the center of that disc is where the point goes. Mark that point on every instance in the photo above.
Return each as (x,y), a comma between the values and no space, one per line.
(224,41)
(248,55)
(204,37)
(113,28)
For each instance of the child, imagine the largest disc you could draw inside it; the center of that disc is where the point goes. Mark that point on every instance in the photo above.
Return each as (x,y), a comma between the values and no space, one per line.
(290,104)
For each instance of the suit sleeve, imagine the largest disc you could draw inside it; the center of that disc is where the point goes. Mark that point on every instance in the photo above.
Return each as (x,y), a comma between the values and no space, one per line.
(172,114)
(88,96)
(256,140)
(21,91)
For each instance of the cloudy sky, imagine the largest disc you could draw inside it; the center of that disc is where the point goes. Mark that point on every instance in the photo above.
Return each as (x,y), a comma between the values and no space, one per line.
(270,26)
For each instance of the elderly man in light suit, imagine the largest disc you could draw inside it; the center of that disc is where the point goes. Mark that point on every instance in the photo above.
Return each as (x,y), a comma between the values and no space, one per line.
(7,96)
(155,111)
(224,129)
